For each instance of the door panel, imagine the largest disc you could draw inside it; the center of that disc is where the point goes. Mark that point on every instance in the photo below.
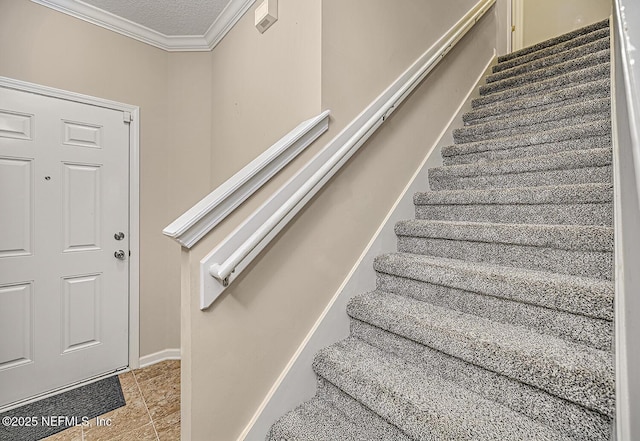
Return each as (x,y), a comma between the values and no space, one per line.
(15,320)
(15,125)
(16,215)
(81,207)
(80,319)
(64,176)
(81,135)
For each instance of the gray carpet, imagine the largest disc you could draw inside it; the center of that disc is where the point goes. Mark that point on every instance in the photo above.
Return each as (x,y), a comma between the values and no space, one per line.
(493,320)
(51,415)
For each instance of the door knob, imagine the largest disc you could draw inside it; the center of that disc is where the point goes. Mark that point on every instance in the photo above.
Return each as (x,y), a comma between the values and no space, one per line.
(119,254)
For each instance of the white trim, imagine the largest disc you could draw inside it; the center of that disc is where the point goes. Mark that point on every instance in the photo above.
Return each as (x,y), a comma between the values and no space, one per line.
(517,20)
(222,265)
(226,20)
(157,357)
(622,373)
(509,36)
(134,238)
(626,142)
(134,196)
(189,228)
(297,382)
(11,83)
(234,10)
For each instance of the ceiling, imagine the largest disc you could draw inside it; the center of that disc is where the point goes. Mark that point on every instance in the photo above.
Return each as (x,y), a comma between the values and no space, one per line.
(173,25)
(168,17)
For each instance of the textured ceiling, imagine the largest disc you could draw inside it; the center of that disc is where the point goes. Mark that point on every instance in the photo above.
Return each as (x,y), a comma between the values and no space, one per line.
(169,17)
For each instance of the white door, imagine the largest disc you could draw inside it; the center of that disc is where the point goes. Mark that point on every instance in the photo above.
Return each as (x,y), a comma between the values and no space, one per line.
(64,212)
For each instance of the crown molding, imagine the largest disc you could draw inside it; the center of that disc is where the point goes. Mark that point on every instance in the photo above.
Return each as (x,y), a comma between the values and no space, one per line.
(230,15)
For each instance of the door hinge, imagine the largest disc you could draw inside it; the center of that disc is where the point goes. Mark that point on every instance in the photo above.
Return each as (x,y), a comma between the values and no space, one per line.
(126,117)
(513,28)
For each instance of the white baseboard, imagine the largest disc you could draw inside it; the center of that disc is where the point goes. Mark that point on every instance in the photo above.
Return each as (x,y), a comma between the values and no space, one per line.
(297,382)
(157,357)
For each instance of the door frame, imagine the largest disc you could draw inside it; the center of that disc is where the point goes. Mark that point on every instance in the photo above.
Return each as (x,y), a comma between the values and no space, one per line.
(134,194)
(517,23)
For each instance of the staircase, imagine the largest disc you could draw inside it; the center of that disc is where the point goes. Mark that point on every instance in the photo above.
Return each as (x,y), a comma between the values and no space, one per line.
(494,320)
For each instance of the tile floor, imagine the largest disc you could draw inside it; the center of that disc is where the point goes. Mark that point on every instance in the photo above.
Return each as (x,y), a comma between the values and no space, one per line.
(152,412)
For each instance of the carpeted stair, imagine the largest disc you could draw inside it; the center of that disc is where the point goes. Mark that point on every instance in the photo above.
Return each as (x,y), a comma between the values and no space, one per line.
(494,318)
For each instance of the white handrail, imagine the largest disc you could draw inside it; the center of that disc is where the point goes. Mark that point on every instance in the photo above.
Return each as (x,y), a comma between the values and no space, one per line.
(222,271)
(223,264)
(213,208)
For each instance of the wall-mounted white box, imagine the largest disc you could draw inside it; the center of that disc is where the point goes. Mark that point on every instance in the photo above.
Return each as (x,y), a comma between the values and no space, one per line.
(266,15)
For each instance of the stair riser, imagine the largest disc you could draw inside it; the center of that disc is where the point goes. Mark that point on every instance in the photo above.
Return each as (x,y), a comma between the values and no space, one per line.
(529,179)
(545,74)
(595,333)
(522,108)
(576,42)
(552,60)
(494,130)
(554,412)
(594,264)
(529,151)
(358,412)
(549,85)
(566,214)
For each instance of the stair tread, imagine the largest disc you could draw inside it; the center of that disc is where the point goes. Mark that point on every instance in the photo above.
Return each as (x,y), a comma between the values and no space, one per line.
(424,406)
(562,415)
(470,298)
(551,60)
(585,251)
(575,372)
(572,159)
(525,147)
(600,57)
(532,103)
(559,47)
(557,194)
(474,133)
(578,295)
(558,82)
(566,237)
(581,131)
(529,121)
(579,213)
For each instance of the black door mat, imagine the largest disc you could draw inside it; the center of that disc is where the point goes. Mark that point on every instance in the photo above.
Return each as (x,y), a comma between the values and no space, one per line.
(54,414)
